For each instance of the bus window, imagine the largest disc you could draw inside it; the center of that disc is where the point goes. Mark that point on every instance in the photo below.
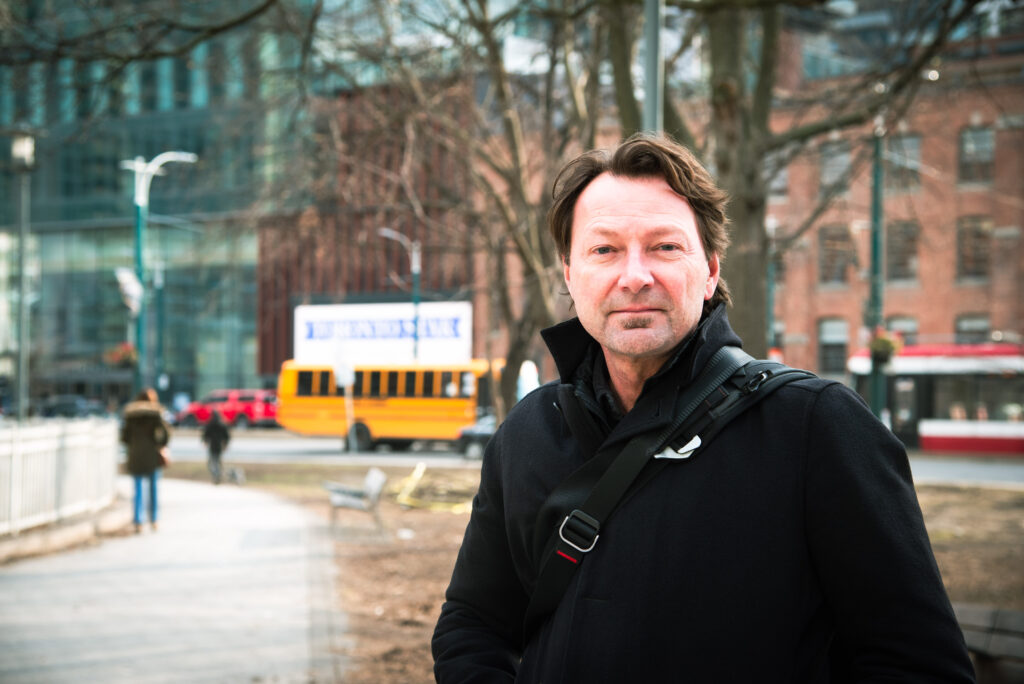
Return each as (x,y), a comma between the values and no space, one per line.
(325,383)
(448,386)
(410,383)
(468,386)
(392,384)
(374,384)
(484,399)
(305,384)
(357,385)
(428,383)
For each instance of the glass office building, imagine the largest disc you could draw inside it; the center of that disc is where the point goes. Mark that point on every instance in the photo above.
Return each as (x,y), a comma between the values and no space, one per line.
(221,102)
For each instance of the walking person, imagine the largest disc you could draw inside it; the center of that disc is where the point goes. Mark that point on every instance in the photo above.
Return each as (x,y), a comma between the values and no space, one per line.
(145,435)
(786,547)
(216,437)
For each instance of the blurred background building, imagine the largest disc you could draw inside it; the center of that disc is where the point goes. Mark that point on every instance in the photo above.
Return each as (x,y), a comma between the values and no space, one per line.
(295,177)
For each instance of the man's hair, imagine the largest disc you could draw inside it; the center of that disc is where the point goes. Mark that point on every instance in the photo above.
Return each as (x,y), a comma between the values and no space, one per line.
(646,156)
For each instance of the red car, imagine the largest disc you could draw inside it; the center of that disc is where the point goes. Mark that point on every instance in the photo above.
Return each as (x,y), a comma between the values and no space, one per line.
(240,408)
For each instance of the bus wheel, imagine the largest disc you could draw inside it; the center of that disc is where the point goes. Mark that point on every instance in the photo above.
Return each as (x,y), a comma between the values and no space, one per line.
(359,438)
(474,451)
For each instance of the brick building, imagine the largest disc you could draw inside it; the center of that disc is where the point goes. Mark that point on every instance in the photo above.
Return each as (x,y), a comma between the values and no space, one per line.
(952,213)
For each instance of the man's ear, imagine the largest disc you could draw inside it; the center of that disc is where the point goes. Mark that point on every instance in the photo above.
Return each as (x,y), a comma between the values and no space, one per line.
(565,271)
(714,268)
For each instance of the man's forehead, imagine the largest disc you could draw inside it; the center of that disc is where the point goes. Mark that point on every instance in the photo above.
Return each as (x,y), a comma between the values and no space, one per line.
(608,201)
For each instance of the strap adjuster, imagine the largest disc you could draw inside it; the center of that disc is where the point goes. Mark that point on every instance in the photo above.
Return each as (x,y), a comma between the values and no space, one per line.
(582,529)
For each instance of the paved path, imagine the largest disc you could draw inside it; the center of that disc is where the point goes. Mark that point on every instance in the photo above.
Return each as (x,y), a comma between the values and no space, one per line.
(236,586)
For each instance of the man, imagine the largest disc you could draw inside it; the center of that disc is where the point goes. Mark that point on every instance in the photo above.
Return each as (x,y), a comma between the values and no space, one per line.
(790,548)
(216,437)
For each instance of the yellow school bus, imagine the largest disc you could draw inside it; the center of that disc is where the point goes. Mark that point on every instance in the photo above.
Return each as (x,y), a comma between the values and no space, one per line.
(392,405)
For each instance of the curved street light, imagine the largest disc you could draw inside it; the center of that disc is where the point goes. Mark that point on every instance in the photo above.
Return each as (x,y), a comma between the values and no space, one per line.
(144,172)
(413,248)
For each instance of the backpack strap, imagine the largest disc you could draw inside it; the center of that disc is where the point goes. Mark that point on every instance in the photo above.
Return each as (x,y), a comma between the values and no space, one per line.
(730,383)
(613,471)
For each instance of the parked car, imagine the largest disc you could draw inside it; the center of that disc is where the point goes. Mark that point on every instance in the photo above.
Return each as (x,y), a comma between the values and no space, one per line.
(473,438)
(70,406)
(238,407)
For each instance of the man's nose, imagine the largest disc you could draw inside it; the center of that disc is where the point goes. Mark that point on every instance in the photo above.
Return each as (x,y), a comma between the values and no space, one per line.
(636,272)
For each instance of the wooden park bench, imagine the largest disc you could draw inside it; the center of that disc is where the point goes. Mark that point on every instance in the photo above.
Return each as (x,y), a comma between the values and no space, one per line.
(995,638)
(365,498)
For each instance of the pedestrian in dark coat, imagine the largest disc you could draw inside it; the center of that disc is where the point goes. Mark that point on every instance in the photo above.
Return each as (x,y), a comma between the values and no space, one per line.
(216,437)
(790,548)
(145,434)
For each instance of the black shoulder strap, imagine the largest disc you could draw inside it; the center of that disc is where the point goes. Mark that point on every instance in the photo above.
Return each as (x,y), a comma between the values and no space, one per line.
(730,383)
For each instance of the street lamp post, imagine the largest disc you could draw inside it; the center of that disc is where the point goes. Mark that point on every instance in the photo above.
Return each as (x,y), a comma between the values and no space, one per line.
(144,172)
(413,248)
(23,152)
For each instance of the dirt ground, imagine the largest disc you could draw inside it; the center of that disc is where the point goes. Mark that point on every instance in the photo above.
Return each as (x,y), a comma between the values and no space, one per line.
(392,587)
(391,583)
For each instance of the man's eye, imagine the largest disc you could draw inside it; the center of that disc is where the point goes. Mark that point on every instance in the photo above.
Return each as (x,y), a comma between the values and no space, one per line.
(602,250)
(668,247)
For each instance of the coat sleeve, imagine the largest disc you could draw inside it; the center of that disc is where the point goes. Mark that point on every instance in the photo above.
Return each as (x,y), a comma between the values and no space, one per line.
(870,548)
(478,635)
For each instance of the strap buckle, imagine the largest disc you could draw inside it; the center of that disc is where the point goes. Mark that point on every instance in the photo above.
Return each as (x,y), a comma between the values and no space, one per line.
(755,383)
(582,529)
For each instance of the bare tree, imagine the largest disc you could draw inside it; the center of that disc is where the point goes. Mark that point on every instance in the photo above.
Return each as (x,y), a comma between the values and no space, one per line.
(732,127)
(513,93)
(513,125)
(116,32)
(529,116)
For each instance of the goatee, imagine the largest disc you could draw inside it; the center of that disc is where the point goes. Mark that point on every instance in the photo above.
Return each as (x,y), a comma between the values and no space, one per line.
(634,322)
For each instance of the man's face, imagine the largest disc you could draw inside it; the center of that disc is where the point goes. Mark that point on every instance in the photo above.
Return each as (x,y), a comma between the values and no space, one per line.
(637,271)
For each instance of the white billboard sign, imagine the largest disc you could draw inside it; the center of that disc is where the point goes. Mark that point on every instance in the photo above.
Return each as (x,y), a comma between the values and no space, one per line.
(382,333)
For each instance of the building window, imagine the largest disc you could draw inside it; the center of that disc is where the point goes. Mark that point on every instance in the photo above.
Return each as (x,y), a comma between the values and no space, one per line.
(83,90)
(901,250)
(833,339)
(182,82)
(905,326)
(903,163)
(835,253)
(251,67)
(973,247)
(835,168)
(148,86)
(115,92)
(977,152)
(216,70)
(972,329)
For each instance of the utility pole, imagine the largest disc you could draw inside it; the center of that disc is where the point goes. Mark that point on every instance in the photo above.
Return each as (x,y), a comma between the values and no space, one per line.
(23,151)
(771,225)
(654,67)
(874,318)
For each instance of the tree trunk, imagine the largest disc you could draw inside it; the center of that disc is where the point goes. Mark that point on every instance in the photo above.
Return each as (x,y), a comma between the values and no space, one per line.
(736,163)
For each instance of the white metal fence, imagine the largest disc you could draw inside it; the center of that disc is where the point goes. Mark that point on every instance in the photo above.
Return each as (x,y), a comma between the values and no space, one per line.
(56,468)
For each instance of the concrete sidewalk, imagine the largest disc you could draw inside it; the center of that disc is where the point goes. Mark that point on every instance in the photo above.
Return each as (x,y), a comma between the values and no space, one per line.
(236,586)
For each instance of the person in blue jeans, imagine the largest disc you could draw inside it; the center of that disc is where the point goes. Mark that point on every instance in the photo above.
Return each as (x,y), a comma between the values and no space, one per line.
(145,435)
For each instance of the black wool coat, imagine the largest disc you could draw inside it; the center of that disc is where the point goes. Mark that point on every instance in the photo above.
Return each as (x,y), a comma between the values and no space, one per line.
(144,432)
(791,548)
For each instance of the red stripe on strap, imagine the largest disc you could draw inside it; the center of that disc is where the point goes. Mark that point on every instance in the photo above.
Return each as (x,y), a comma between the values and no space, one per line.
(566,556)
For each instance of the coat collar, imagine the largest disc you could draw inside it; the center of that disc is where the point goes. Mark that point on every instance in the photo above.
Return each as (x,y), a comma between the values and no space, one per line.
(569,344)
